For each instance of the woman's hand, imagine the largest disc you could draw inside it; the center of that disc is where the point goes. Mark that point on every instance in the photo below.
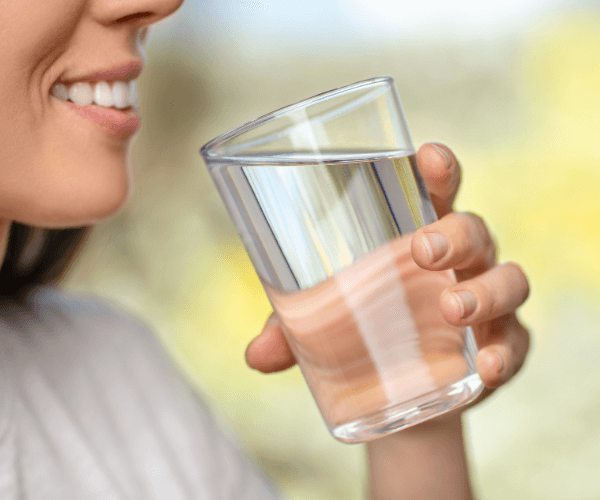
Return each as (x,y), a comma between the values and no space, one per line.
(487,293)
(428,460)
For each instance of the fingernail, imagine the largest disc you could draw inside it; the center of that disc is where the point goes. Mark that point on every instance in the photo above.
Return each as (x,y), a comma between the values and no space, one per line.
(467,302)
(444,154)
(436,244)
(500,365)
(495,361)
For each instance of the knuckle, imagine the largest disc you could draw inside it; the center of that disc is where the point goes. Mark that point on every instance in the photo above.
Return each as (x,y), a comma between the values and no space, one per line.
(475,217)
(462,233)
(472,238)
(480,230)
(472,224)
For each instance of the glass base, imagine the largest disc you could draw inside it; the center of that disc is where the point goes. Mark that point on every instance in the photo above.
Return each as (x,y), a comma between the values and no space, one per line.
(408,413)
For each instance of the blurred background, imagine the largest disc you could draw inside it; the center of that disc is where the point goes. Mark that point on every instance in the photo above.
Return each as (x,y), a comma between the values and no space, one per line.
(513,86)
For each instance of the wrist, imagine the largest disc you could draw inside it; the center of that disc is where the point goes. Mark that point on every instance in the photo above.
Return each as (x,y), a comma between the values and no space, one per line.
(422,462)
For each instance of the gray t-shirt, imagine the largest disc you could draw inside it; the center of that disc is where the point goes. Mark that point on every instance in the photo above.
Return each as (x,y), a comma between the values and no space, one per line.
(92,408)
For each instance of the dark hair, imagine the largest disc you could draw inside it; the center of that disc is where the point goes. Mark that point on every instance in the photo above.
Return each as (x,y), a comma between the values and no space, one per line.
(36,256)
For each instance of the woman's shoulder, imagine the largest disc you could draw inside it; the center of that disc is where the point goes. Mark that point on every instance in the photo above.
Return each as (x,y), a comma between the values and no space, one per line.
(52,311)
(71,329)
(110,386)
(56,302)
(70,336)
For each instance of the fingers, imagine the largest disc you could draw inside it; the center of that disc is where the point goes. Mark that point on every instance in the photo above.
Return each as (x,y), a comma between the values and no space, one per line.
(495,293)
(488,294)
(459,240)
(504,351)
(441,173)
(270,352)
(488,303)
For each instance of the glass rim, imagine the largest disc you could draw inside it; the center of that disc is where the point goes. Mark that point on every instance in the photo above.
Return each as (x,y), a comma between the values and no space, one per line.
(205,150)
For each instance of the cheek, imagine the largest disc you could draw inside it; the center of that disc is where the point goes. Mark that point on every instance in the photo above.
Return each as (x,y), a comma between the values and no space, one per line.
(33,28)
(52,173)
(34,34)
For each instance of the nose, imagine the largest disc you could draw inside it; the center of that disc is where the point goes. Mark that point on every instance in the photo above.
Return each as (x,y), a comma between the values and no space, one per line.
(136,13)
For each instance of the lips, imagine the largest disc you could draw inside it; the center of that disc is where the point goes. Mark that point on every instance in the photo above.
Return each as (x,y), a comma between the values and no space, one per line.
(120,123)
(107,98)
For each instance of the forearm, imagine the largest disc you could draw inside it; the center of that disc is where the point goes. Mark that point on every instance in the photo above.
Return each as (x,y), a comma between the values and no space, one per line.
(425,462)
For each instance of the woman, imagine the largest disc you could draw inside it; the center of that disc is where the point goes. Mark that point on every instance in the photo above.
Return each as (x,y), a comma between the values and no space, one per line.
(91,407)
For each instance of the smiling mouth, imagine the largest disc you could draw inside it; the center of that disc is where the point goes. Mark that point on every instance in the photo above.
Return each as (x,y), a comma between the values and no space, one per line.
(116,95)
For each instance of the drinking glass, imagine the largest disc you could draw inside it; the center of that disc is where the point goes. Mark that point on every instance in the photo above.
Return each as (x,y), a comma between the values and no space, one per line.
(326,195)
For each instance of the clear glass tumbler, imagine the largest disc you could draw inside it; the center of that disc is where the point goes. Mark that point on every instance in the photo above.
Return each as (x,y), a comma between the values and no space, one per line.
(326,196)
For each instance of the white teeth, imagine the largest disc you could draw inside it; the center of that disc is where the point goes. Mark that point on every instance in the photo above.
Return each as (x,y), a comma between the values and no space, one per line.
(103,95)
(134,95)
(120,95)
(81,94)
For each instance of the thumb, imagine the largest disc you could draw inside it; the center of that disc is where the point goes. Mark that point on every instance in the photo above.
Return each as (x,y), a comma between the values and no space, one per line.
(440,171)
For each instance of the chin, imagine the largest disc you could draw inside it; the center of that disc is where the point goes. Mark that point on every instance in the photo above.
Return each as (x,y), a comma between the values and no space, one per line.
(93,184)
(101,204)
(80,201)
(62,183)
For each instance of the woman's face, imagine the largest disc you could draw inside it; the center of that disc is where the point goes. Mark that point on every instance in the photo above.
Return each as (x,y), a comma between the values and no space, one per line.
(66,90)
